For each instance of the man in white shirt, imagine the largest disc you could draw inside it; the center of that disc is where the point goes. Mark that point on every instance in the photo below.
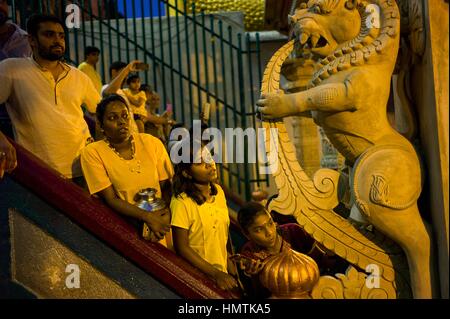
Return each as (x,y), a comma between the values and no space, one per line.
(43,97)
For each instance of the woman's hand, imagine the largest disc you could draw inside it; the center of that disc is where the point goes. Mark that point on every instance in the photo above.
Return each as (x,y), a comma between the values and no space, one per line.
(158,222)
(153,237)
(225,281)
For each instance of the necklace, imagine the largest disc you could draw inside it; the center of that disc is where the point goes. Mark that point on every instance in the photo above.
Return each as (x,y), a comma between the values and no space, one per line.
(133,169)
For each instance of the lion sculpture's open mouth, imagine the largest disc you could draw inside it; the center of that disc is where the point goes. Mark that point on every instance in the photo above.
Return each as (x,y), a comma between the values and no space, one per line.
(310,39)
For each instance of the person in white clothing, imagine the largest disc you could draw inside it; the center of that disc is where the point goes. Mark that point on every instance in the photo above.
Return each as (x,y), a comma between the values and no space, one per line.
(43,97)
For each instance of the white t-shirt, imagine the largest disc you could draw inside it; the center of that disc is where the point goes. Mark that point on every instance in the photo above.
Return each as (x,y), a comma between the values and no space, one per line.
(207,225)
(46,115)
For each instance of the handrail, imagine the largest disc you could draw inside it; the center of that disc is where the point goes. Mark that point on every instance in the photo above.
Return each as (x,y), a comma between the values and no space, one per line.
(97,218)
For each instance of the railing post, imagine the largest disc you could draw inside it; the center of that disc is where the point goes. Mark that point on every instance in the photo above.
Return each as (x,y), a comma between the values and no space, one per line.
(180,64)
(91,22)
(197,62)
(161,47)
(172,78)
(225,90)
(127,43)
(100,28)
(188,62)
(258,55)
(243,115)
(152,31)
(144,40)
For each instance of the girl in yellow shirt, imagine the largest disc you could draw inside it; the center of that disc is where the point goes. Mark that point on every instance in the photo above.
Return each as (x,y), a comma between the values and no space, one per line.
(200,218)
(120,165)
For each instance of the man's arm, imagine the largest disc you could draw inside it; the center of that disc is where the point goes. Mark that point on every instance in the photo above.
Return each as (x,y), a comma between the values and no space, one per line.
(116,83)
(8,159)
(91,97)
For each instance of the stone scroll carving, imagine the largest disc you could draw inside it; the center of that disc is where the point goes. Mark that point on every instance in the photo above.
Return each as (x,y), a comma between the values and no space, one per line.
(353,45)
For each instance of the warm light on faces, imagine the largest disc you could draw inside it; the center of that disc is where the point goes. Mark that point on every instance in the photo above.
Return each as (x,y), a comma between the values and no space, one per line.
(135,85)
(93,58)
(152,99)
(263,230)
(50,42)
(116,122)
(205,171)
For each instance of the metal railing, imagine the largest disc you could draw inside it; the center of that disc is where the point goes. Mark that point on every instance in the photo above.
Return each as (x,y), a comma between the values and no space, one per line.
(194,58)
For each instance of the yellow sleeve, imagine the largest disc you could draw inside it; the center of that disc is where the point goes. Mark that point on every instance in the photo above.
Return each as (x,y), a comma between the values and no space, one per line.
(91,96)
(163,163)
(94,170)
(142,95)
(180,213)
(5,80)
(165,168)
(128,93)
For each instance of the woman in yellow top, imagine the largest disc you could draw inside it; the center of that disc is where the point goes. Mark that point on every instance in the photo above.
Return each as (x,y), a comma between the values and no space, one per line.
(121,164)
(200,218)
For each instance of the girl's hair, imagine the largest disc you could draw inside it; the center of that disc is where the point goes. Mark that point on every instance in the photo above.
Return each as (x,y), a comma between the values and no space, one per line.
(248,213)
(101,107)
(132,78)
(182,184)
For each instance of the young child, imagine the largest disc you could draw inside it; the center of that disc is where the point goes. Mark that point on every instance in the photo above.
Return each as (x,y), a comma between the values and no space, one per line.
(155,124)
(137,100)
(266,239)
(200,217)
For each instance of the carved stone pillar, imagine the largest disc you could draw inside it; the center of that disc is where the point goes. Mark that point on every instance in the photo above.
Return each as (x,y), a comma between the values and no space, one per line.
(428,39)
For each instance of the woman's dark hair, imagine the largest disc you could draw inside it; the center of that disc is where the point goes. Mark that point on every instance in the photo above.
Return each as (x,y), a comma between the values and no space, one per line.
(182,184)
(35,20)
(132,77)
(101,107)
(247,214)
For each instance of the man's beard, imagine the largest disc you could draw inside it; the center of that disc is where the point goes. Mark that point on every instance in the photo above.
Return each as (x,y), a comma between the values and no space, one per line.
(49,55)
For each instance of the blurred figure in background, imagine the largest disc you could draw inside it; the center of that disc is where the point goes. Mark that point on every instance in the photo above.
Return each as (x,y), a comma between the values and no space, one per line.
(89,66)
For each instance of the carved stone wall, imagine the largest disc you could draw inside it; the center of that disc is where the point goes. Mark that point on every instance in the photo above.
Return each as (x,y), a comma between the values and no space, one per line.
(429,84)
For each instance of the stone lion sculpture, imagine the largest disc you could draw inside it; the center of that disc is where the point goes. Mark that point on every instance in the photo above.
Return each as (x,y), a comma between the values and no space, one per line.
(353,45)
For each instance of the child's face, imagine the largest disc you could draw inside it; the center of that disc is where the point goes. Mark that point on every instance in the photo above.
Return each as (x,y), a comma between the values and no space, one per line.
(153,99)
(263,230)
(203,170)
(135,85)
(93,58)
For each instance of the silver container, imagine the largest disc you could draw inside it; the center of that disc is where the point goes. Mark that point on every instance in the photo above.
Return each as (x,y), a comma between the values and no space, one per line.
(146,199)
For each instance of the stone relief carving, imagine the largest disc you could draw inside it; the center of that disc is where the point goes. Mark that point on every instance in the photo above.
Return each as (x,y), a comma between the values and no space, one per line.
(353,45)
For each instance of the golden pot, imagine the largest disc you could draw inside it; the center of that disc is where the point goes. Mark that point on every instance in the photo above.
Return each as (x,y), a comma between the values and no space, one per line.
(290,275)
